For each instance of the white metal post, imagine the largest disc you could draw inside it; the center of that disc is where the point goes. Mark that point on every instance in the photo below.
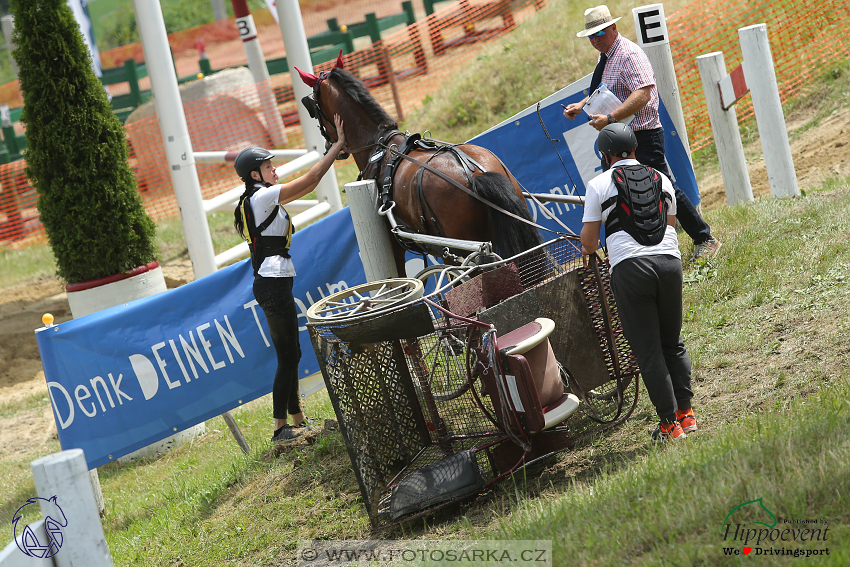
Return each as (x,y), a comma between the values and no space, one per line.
(257,65)
(371,231)
(175,136)
(761,79)
(724,125)
(66,476)
(298,55)
(652,36)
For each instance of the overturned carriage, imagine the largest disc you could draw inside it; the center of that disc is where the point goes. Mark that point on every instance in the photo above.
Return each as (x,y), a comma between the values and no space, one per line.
(442,392)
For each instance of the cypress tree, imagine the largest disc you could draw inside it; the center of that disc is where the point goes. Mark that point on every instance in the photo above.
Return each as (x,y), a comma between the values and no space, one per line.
(76,150)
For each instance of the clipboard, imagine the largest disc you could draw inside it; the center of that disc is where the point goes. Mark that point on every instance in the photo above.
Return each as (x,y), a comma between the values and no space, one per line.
(602,101)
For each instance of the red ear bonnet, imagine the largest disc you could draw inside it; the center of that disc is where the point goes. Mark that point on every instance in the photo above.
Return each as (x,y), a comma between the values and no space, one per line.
(339,62)
(308,78)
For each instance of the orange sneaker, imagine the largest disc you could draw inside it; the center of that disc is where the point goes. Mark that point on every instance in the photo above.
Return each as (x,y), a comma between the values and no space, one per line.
(668,432)
(687,419)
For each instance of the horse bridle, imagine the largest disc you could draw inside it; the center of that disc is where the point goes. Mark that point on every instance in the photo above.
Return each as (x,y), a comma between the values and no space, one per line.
(311,103)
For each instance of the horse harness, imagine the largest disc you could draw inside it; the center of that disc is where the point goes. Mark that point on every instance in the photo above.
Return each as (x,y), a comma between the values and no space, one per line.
(392,154)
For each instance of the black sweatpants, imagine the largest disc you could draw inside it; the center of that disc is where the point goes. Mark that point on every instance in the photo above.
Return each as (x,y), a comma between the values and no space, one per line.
(275,297)
(648,290)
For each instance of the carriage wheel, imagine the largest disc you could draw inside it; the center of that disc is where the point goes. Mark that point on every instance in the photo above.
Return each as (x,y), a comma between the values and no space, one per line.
(364,301)
(445,359)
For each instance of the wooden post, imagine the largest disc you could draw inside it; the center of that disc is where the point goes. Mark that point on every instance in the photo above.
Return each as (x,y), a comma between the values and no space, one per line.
(727,137)
(371,231)
(761,78)
(66,476)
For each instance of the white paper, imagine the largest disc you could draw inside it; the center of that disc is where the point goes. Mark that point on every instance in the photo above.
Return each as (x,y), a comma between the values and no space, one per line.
(602,101)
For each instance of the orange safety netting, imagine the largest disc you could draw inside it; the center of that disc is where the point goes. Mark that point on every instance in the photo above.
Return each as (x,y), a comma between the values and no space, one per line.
(803,43)
(401,69)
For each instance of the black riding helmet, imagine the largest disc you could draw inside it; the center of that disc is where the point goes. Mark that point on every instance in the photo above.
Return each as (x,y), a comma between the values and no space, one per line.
(250,159)
(617,140)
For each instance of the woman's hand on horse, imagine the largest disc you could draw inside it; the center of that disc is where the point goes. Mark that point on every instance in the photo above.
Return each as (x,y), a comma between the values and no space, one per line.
(339,131)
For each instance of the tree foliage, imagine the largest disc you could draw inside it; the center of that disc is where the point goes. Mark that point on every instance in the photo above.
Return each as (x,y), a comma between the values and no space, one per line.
(76,150)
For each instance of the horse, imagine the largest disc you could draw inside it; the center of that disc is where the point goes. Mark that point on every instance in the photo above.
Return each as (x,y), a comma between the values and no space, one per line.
(426,200)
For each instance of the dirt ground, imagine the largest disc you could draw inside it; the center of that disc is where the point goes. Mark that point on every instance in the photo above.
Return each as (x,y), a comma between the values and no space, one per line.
(818,153)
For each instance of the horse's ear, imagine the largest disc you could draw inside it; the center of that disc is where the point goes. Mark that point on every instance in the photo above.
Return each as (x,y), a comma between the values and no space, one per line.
(339,62)
(308,78)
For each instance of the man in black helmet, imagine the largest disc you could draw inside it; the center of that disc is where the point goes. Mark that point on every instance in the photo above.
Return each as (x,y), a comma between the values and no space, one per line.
(261,215)
(638,206)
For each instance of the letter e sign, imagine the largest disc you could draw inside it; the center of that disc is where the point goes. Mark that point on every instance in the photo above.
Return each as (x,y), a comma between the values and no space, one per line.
(651,25)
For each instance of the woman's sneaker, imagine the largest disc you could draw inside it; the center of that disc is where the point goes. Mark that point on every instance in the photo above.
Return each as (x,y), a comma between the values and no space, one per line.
(286,433)
(306,425)
(668,432)
(687,420)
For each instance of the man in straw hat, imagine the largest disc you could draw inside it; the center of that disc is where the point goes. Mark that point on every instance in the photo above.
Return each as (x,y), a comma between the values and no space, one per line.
(625,70)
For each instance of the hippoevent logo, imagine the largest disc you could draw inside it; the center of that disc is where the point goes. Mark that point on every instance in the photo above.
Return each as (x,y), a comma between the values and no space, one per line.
(54,521)
(752,529)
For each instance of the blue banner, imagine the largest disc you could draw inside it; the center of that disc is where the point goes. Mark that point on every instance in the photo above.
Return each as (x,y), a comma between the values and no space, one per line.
(125,377)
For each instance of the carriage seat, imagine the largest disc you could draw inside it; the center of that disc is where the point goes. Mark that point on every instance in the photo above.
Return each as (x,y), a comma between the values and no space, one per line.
(533,377)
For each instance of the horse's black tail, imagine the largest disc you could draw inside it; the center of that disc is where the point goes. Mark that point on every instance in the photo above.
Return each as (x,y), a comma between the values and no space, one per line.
(510,236)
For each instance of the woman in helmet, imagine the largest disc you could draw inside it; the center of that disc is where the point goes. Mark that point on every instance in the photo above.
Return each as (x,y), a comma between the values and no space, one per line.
(261,219)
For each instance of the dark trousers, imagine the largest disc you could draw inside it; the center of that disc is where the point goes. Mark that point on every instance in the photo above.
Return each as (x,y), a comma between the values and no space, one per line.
(648,290)
(275,297)
(650,151)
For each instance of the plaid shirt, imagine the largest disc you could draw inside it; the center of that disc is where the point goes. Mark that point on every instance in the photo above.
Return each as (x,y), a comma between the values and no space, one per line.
(627,70)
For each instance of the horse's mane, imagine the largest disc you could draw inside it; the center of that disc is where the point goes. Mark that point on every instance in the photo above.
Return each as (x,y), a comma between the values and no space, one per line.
(355,88)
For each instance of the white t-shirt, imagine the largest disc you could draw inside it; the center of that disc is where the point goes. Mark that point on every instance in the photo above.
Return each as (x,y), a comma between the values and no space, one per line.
(263,203)
(621,245)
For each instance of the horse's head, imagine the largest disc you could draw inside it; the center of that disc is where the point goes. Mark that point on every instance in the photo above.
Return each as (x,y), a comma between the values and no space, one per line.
(322,108)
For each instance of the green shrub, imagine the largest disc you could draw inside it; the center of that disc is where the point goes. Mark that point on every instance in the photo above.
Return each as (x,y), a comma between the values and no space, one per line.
(77,153)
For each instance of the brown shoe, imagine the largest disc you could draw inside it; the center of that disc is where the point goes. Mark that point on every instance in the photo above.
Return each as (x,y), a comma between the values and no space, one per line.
(707,249)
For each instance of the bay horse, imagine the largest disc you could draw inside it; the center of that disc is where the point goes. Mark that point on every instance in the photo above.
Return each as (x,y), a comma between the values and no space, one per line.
(424,200)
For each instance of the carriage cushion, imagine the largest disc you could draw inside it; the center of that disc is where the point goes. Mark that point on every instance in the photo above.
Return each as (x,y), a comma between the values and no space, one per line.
(531,341)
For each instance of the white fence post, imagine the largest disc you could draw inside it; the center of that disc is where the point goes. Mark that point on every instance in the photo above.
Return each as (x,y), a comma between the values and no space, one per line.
(298,54)
(371,231)
(724,125)
(175,136)
(761,79)
(652,36)
(66,476)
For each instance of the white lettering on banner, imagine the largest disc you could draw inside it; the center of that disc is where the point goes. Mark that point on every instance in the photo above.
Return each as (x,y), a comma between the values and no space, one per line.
(252,305)
(85,396)
(195,353)
(63,423)
(145,374)
(206,344)
(155,348)
(231,338)
(117,387)
(180,361)
(99,380)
